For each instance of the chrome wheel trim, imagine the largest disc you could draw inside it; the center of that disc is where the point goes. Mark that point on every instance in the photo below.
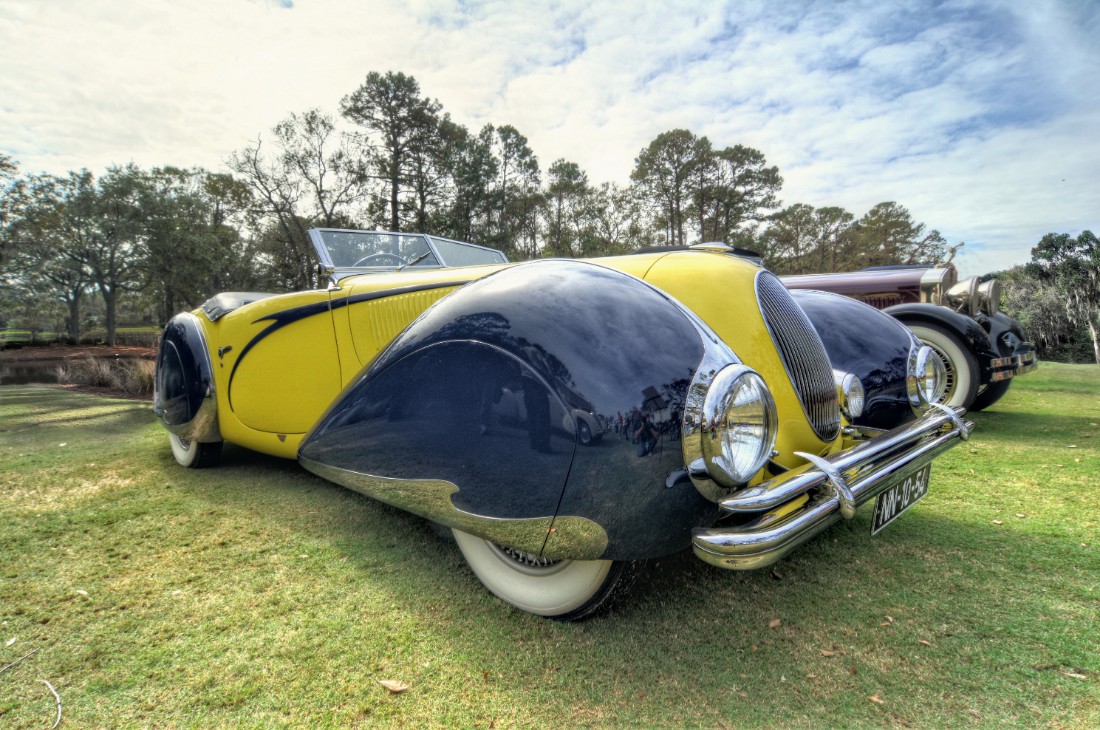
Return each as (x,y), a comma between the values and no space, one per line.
(951,380)
(184,450)
(960,366)
(528,563)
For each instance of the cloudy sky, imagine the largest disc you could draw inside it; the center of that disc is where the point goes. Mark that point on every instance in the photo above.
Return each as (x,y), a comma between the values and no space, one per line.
(982,118)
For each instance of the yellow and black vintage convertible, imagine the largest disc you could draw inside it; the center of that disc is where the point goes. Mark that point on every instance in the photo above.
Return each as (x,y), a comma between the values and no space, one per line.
(567,419)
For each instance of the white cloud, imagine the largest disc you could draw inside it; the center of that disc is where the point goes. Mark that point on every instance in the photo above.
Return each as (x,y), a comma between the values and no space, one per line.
(970,114)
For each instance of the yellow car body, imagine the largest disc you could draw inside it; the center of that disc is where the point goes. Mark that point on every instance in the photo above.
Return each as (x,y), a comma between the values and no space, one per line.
(725,428)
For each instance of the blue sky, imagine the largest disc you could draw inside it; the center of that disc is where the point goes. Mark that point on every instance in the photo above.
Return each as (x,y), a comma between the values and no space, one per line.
(981,117)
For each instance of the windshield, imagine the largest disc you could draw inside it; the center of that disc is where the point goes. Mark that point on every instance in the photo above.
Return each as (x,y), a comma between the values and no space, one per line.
(351,251)
(374,249)
(457,253)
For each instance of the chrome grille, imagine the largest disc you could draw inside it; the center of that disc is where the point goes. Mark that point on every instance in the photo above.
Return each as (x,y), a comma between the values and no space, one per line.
(803,355)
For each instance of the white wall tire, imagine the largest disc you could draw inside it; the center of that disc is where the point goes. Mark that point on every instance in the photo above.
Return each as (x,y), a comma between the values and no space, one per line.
(962,366)
(567,590)
(193,454)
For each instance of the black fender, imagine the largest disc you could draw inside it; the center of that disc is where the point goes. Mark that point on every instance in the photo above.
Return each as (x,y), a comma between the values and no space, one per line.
(465,417)
(861,340)
(1006,335)
(966,329)
(183,390)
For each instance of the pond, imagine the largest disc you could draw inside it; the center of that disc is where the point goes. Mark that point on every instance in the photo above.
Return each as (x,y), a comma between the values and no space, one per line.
(27,371)
(23,372)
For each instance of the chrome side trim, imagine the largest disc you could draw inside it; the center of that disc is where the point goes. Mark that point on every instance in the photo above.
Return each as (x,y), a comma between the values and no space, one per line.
(551,537)
(854,477)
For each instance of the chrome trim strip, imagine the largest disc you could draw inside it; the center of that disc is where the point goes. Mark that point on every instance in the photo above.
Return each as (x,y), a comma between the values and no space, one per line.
(564,536)
(744,548)
(754,548)
(811,381)
(860,463)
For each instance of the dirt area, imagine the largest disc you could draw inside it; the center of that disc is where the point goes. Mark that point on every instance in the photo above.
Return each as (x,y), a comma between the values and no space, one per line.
(66,352)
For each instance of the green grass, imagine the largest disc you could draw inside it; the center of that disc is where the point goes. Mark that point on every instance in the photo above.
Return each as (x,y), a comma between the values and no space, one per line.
(257,595)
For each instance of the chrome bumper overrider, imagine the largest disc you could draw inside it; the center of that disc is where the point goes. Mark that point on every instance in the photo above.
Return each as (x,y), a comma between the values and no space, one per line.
(1025,363)
(833,487)
(1008,367)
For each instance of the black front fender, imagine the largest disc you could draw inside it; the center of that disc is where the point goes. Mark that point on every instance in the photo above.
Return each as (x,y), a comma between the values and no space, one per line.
(469,416)
(869,344)
(967,330)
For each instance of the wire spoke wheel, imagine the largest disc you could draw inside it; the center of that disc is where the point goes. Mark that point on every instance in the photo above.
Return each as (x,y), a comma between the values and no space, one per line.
(961,365)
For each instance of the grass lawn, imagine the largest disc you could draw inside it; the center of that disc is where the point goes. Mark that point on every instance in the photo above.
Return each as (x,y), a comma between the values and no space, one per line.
(255,594)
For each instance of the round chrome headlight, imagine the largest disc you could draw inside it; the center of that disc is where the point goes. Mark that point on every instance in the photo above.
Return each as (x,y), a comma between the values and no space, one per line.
(963,297)
(989,296)
(927,377)
(739,425)
(849,390)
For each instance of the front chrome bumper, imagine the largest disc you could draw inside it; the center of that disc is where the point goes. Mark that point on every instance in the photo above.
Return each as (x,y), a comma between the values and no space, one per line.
(799,504)
(1004,368)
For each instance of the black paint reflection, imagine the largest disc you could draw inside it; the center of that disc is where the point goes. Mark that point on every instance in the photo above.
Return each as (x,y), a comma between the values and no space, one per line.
(552,388)
(869,344)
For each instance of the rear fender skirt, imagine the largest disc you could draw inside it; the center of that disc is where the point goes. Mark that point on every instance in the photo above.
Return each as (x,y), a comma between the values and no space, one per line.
(468,417)
(865,342)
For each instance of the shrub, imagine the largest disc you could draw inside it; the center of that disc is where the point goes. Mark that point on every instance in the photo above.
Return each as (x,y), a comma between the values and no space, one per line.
(132,377)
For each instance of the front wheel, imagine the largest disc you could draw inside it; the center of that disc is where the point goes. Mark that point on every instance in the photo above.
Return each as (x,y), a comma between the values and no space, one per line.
(194,454)
(584,432)
(566,590)
(962,367)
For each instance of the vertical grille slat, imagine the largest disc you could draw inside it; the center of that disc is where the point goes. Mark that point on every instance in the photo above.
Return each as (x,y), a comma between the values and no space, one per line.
(803,355)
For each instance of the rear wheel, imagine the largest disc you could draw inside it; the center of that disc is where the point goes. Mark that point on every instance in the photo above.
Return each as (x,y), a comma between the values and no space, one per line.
(990,394)
(961,365)
(193,454)
(566,590)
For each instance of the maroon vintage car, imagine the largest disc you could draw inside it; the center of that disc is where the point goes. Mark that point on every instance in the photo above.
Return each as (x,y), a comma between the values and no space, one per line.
(982,348)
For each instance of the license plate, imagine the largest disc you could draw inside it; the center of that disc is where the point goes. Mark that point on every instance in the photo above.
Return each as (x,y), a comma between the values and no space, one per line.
(890,504)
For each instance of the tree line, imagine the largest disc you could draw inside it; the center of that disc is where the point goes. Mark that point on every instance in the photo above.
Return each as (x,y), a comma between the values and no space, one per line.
(161,240)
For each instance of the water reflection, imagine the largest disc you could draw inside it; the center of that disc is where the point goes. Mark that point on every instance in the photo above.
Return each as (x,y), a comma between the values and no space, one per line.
(26,372)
